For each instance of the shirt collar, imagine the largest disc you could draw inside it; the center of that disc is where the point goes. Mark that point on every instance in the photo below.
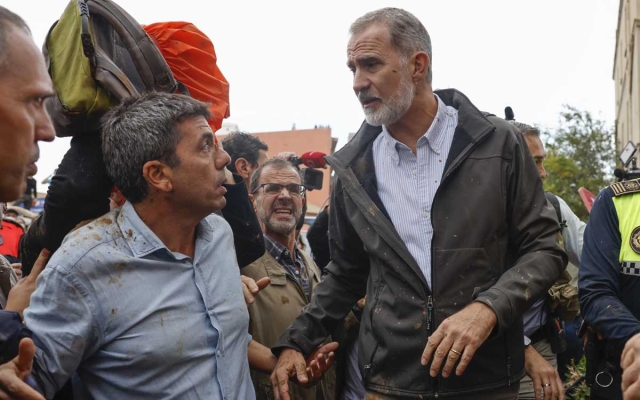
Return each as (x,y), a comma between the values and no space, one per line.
(434,136)
(277,249)
(141,240)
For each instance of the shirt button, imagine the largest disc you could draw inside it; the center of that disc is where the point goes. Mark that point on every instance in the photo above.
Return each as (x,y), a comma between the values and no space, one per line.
(424,213)
(414,172)
(219,353)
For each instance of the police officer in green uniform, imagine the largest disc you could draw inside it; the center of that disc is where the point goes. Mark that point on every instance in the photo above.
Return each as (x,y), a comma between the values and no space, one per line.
(609,283)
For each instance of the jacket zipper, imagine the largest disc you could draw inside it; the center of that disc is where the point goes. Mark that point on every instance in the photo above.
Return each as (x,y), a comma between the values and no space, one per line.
(367,368)
(431,322)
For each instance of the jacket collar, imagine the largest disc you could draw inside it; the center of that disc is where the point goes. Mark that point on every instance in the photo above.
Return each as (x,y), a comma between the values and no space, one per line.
(472,125)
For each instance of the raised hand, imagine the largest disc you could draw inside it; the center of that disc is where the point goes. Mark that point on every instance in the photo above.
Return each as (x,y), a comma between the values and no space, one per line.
(20,294)
(250,288)
(319,362)
(13,374)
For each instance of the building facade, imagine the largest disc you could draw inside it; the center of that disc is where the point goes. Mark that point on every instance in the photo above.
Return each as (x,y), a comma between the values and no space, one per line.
(626,73)
(300,141)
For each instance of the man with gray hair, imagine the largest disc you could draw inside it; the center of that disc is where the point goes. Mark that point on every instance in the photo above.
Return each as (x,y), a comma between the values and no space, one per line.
(146,301)
(278,197)
(541,363)
(438,216)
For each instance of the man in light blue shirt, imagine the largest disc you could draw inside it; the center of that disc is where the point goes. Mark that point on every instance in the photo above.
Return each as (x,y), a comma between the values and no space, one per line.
(146,301)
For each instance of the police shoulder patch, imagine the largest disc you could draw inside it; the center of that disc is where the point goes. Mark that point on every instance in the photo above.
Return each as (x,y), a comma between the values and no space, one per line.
(634,241)
(625,187)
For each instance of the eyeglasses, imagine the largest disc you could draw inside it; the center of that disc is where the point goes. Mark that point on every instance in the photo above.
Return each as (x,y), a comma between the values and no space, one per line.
(274,189)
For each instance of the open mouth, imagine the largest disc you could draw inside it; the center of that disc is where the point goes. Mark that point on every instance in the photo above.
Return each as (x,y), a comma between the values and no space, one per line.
(283,210)
(368,102)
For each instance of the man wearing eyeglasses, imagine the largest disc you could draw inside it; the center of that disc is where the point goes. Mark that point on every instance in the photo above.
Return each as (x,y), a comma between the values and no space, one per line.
(278,197)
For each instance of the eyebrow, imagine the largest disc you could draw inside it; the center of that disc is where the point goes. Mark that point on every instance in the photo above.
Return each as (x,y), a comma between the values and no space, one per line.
(363,60)
(207,135)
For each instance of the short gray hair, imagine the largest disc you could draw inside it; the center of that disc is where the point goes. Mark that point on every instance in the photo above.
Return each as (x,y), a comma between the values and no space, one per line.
(525,130)
(8,21)
(143,129)
(275,163)
(407,32)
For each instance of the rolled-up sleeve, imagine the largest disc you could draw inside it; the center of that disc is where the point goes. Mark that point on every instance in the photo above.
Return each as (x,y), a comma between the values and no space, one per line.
(62,317)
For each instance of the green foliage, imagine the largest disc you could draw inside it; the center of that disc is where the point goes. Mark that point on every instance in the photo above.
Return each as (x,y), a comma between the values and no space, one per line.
(581,152)
(581,391)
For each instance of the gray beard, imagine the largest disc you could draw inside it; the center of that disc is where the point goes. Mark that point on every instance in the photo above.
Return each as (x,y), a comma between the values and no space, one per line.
(395,107)
(283,228)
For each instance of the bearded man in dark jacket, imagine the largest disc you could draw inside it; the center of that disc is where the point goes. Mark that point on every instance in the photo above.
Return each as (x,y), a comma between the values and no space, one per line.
(439,217)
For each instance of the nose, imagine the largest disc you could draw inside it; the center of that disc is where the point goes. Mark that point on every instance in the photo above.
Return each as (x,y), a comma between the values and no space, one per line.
(360,81)
(222,158)
(44,131)
(543,172)
(284,193)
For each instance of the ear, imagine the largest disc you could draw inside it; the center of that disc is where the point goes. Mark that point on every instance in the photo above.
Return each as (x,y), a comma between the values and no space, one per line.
(158,175)
(253,200)
(243,168)
(419,65)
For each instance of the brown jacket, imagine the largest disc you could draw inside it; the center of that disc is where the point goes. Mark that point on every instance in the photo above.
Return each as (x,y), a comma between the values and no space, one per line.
(273,311)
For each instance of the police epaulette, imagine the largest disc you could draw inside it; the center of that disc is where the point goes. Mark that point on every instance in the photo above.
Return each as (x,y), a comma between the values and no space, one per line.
(625,187)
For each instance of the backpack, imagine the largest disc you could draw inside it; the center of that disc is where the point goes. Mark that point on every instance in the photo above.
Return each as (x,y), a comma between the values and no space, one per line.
(562,297)
(97,55)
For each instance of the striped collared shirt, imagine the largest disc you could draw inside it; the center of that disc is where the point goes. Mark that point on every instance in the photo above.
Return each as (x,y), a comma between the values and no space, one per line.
(407,182)
(297,270)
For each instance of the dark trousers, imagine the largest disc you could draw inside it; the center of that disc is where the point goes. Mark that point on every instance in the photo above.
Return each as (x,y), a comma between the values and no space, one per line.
(503,393)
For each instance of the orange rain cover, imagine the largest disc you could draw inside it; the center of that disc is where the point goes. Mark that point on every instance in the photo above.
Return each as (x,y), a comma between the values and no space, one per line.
(192,59)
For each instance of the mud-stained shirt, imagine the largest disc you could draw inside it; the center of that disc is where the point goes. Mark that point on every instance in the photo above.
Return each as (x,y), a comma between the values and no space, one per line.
(138,321)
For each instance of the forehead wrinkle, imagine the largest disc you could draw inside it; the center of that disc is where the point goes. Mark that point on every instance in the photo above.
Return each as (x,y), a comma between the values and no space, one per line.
(271,175)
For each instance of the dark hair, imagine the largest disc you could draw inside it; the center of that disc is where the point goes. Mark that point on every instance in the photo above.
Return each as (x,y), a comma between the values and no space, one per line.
(143,129)
(8,20)
(275,163)
(243,145)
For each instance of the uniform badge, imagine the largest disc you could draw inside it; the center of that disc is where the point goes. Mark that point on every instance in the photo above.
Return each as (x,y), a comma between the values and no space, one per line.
(634,242)
(625,187)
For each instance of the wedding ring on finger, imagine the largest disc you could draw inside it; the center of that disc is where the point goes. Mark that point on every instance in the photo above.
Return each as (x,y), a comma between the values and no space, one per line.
(455,352)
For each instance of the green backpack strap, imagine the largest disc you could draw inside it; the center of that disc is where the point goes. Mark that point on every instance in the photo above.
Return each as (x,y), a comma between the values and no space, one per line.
(98,55)
(150,63)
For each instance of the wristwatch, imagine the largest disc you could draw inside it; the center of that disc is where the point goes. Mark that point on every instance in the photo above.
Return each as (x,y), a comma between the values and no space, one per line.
(527,342)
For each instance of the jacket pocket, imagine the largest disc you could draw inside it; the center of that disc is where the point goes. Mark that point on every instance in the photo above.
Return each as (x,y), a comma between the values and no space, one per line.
(459,276)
